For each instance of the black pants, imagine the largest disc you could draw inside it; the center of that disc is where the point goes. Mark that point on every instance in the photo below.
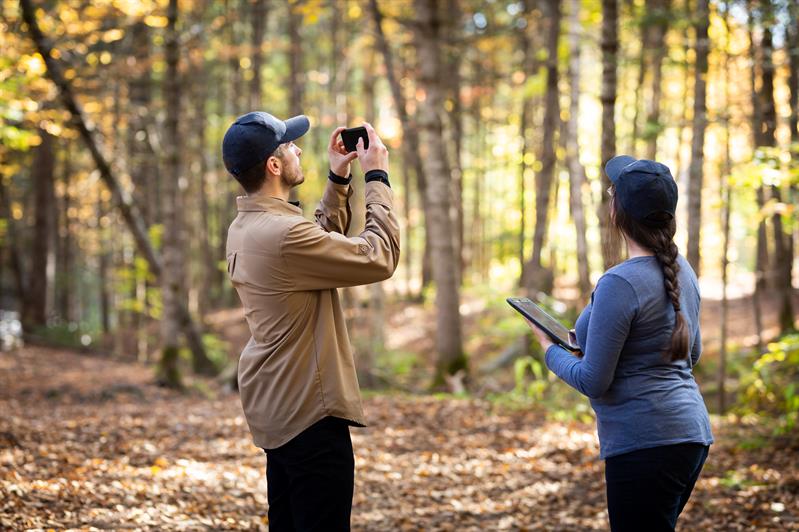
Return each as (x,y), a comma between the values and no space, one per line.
(648,489)
(310,479)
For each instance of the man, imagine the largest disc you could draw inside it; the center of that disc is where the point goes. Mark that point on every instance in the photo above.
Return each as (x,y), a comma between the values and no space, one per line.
(296,375)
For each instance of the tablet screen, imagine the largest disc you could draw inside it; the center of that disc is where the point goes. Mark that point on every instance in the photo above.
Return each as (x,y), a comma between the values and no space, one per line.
(540,317)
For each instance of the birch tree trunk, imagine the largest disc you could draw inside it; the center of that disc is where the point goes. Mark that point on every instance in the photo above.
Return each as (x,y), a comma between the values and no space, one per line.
(449,346)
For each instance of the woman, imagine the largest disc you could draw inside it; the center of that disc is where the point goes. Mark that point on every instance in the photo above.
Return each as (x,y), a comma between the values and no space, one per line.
(640,339)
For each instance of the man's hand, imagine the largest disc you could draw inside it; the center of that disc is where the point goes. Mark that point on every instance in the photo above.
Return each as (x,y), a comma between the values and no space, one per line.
(376,157)
(338,156)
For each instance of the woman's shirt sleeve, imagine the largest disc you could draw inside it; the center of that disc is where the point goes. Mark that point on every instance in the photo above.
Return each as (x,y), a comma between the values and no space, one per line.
(613,308)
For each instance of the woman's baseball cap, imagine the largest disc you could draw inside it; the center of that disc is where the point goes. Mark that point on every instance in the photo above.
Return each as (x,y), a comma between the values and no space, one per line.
(646,189)
(252,137)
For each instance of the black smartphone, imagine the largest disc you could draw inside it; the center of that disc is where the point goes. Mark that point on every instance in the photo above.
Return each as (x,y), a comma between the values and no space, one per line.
(350,137)
(551,326)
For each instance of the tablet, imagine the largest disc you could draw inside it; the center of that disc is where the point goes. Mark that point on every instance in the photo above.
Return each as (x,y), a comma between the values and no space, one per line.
(551,326)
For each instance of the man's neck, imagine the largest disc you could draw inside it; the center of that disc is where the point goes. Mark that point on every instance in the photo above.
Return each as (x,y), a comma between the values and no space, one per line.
(270,190)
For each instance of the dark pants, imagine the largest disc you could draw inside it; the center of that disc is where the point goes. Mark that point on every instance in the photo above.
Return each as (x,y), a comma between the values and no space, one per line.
(310,479)
(648,489)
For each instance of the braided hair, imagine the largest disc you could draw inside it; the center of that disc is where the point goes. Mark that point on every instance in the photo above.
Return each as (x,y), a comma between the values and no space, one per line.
(659,238)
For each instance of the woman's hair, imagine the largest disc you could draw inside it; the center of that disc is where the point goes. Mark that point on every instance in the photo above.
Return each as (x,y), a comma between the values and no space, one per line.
(660,241)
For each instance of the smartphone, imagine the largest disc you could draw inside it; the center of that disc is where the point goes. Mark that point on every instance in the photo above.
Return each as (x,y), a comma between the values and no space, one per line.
(554,329)
(350,137)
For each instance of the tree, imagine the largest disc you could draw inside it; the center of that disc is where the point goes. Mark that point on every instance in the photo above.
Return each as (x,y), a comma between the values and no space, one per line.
(411,152)
(695,170)
(35,307)
(610,46)
(128,210)
(576,170)
(449,344)
(538,277)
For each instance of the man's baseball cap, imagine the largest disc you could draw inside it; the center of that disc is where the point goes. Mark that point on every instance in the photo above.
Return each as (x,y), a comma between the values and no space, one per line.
(646,189)
(253,136)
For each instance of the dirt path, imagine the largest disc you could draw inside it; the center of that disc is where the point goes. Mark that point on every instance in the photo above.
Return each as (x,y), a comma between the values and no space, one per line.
(88,442)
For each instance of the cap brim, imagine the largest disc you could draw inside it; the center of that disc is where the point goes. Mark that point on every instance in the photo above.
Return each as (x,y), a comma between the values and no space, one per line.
(296,127)
(616,165)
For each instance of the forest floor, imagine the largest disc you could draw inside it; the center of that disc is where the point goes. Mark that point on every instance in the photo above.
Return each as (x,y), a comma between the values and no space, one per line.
(87,441)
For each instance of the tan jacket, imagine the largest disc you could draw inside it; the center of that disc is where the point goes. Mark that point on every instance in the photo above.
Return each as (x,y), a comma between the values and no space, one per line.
(298,368)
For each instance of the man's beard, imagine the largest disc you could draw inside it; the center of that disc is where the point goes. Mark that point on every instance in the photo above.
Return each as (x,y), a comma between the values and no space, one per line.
(292,176)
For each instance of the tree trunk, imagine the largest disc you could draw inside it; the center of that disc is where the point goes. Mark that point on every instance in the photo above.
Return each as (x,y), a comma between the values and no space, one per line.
(455,121)
(577,175)
(259,20)
(65,259)
(35,309)
(449,346)
(611,251)
(172,277)
(659,11)
(296,70)
(725,195)
(529,67)
(12,247)
(539,278)
(695,170)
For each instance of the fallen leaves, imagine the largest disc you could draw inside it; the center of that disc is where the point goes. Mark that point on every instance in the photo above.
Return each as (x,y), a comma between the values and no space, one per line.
(80,449)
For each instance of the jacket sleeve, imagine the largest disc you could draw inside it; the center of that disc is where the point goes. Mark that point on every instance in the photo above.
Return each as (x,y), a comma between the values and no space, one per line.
(318,259)
(613,309)
(333,212)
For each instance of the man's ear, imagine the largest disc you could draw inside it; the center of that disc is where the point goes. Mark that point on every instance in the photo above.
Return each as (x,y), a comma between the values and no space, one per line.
(274,166)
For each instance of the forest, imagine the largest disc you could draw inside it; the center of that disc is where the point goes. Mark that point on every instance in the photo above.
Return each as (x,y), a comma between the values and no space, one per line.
(120,330)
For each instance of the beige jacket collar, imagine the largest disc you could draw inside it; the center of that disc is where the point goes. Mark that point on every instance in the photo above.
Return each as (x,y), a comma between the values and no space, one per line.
(266,203)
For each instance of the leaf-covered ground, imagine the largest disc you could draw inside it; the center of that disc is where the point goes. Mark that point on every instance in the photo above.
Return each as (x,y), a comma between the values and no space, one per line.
(89,442)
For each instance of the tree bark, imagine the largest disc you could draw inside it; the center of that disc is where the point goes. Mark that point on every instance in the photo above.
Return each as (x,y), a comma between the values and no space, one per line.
(539,278)
(611,251)
(577,175)
(659,11)
(35,307)
(259,21)
(127,209)
(411,152)
(695,171)
(296,70)
(449,344)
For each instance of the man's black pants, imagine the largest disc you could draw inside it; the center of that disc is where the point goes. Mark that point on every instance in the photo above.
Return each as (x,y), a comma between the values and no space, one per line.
(648,489)
(310,479)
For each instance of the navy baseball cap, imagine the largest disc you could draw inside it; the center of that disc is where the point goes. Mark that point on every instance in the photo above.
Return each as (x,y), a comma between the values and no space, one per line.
(646,189)
(253,136)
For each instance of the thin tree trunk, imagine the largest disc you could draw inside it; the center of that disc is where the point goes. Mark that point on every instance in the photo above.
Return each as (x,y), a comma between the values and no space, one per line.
(610,45)
(449,344)
(537,277)
(128,211)
(296,70)
(35,303)
(659,10)
(726,206)
(65,257)
(455,121)
(171,279)
(411,152)
(577,175)
(529,67)
(698,141)
(259,20)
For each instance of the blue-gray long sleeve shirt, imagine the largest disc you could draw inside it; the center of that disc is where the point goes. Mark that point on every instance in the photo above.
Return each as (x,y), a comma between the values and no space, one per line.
(640,397)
